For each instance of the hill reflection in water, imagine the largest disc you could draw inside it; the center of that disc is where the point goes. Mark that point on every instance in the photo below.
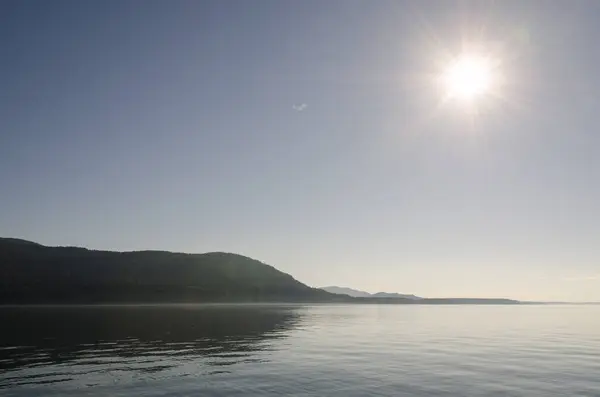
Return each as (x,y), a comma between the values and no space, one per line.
(143,339)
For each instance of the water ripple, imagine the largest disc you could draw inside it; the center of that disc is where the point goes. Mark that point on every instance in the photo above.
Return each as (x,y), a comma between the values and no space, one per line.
(301,351)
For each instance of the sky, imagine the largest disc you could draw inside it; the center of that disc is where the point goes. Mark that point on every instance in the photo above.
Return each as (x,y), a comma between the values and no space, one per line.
(311,135)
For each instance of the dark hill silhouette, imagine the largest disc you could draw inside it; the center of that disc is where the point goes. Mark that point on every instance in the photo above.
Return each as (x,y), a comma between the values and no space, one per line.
(18,241)
(31,273)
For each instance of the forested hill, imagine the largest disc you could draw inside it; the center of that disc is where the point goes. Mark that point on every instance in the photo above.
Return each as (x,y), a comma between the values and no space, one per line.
(33,273)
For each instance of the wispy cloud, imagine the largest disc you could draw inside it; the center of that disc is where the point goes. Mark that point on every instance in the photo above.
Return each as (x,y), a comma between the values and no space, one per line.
(592,277)
(300,107)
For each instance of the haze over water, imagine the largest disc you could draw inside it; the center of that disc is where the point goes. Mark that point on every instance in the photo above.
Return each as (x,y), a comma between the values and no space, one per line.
(297,350)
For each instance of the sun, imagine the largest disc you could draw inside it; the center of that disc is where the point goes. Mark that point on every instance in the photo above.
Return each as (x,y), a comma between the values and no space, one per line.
(467,77)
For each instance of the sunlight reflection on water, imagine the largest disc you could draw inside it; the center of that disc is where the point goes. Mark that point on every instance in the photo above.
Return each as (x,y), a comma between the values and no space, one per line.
(321,350)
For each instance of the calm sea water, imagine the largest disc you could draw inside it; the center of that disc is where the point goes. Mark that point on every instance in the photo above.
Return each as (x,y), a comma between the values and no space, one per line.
(272,350)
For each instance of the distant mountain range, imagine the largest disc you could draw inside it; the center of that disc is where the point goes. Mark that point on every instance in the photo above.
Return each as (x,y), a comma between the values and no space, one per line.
(32,273)
(362,294)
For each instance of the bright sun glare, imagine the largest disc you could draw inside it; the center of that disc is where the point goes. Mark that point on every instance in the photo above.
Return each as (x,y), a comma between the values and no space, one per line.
(467,77)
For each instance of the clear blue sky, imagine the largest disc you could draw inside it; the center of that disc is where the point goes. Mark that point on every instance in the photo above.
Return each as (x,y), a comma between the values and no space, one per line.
(305,134)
